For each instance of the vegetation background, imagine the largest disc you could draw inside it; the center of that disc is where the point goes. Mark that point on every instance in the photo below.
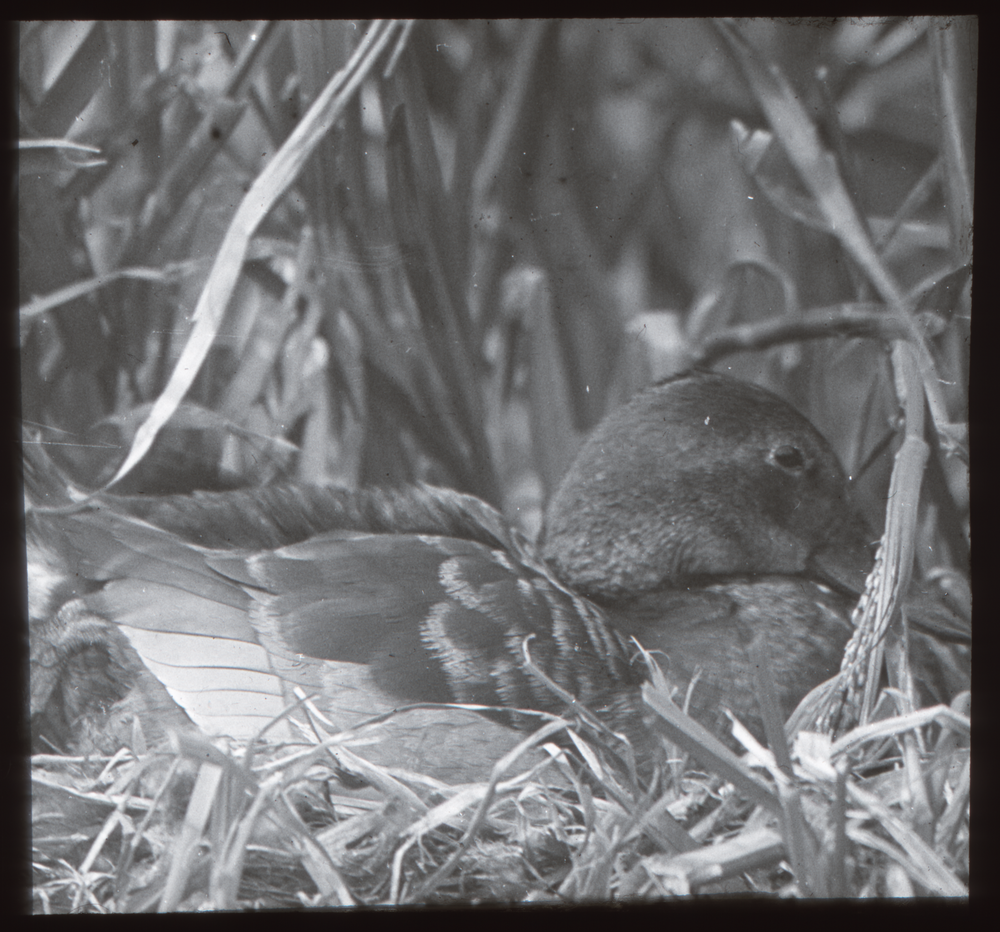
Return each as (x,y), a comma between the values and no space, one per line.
(235,270)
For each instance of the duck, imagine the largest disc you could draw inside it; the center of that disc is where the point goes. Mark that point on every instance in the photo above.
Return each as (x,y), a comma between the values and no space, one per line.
(704,520)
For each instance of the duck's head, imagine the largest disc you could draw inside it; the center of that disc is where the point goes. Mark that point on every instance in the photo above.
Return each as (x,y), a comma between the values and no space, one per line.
(703,475)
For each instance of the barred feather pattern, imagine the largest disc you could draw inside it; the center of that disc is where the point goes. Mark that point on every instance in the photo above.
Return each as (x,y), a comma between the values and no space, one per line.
(575,646)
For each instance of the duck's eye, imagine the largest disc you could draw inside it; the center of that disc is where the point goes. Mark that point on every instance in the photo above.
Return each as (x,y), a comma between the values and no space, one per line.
(788,457)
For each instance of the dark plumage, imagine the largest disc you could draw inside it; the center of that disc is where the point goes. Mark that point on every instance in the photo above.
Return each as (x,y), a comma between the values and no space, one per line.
(703,515)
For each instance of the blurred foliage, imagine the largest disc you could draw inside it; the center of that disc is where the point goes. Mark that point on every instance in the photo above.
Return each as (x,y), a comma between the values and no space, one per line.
(512,226)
